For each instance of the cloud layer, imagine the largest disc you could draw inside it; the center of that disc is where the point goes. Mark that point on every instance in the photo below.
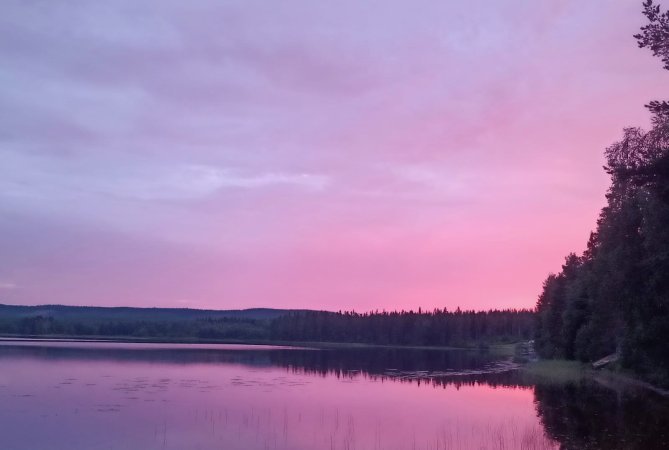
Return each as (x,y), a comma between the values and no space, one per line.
(346,155)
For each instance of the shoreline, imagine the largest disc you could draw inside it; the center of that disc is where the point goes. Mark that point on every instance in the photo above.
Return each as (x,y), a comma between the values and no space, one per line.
(557,370)
(561,370)
(494,348)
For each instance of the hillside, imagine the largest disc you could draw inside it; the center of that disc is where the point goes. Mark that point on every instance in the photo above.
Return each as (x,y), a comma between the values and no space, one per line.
(95,313)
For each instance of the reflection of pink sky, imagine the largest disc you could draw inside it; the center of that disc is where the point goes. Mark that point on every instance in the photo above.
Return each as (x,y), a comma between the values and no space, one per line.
(326,157)
(241,407)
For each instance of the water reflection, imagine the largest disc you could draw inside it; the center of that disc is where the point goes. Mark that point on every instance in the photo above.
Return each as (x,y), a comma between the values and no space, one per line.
(149,396)
(413,365)
(589,415)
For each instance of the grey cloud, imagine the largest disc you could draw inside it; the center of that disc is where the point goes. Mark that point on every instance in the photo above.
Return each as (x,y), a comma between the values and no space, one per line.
(43,176)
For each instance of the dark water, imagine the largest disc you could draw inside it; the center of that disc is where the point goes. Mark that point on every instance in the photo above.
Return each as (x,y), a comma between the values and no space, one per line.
(157,396)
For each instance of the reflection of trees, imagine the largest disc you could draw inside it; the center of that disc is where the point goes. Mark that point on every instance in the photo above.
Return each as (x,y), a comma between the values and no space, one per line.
(376,360)
(579,415)
(423,367)
(585,415)
(126,353)
(505,379)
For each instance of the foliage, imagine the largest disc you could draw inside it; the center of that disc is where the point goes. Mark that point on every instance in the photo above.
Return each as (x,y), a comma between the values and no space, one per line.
(436,328)
(615,297)
(201,329)
(433,328)
(655,37)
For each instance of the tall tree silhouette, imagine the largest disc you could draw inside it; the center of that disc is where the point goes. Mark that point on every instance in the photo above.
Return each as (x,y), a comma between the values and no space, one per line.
(615,297)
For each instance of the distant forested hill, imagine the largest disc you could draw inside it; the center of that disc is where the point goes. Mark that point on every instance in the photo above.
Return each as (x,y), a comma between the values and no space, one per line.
(424,328)
(62,312)
(146,323)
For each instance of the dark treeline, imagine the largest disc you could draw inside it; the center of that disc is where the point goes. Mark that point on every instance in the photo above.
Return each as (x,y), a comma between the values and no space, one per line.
(192,329)
(615,296)
(435,328)
(438,327)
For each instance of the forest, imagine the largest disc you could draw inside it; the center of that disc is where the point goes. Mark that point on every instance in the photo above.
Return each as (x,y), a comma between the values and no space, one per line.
(433,328)
(429,328)
(614,297)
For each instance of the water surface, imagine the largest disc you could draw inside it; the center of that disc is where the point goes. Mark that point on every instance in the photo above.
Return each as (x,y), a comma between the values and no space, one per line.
(64,395)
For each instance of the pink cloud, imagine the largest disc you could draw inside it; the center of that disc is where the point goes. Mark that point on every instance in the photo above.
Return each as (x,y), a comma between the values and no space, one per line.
(376,155)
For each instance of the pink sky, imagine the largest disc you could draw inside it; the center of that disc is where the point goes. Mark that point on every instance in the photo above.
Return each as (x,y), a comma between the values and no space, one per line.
(334,155)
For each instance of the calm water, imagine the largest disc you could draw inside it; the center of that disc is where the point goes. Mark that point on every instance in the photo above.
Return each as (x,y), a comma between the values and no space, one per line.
(154,396)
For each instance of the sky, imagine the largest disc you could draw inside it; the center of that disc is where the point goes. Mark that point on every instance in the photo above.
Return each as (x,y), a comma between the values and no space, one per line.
(328,155)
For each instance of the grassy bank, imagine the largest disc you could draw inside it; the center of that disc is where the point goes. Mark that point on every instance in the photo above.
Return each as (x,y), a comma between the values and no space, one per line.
(557,370)
(563,371)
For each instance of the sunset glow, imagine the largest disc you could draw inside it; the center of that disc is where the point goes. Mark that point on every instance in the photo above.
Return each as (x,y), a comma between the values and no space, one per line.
(333,155)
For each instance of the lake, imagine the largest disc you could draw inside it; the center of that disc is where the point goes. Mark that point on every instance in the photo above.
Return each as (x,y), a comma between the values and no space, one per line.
(110,396)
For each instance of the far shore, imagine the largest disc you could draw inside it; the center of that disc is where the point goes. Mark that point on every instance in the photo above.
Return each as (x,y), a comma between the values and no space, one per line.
(502,349)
